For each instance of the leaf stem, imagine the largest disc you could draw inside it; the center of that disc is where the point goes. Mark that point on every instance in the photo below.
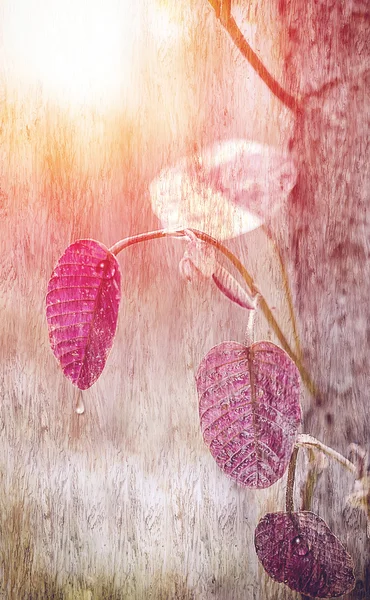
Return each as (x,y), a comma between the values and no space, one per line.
(288,293)
(230,25)
(311,479)
(136,239)
(151,235)
(308,441)
(304,440)
(249,334)
(289,502)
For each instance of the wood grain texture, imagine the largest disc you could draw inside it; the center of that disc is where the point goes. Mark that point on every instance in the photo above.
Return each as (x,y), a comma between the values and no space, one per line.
(327,237)
(125,501)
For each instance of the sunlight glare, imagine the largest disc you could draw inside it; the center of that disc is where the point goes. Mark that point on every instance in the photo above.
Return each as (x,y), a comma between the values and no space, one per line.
(79,52)
(162,26)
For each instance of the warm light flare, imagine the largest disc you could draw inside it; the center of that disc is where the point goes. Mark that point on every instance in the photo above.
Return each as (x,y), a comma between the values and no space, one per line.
(79,51)
(163,26)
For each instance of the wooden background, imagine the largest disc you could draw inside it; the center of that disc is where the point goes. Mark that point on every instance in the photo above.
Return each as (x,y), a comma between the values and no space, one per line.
(125,501)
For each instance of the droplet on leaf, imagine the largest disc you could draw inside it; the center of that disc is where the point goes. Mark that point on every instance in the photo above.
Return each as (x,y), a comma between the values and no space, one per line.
(300,546)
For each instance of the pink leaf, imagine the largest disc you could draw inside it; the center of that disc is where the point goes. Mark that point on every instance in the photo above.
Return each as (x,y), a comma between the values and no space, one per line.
(82,309)
(249,410)
(300,550)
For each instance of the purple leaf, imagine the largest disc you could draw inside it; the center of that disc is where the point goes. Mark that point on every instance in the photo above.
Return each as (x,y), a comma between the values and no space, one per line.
(300,550)
(82,310)
(249,410)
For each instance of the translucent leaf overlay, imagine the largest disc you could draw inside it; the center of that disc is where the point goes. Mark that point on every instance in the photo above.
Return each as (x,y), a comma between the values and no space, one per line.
(249,410)
(226,189)
(82,305)
(300,550)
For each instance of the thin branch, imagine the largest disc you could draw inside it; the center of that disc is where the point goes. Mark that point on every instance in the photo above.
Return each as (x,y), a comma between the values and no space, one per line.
(315,470)
(136,239)
(304,440)
(308,441)
(230,25)
(225,11)
(288,293)
(144,237)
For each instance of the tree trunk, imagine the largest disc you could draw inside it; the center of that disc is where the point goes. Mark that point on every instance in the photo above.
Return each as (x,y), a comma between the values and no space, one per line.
(327,50)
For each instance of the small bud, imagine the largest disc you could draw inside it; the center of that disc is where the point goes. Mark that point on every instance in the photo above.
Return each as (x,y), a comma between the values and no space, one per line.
(228,285)
(188,270)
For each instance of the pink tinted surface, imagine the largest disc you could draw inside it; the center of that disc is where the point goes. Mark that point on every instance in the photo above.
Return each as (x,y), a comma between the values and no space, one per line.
(82,309)
(249,410)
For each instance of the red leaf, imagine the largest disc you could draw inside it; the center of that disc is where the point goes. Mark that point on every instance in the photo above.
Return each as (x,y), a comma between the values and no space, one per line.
(82,310)
(249,410)
(300,550)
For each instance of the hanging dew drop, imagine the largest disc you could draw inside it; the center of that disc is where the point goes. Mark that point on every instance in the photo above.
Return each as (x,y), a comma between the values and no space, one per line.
(80,407)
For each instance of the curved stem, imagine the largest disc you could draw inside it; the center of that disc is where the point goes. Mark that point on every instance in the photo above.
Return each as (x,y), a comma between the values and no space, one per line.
(136,239)
(311,479)
(308,441)
(305,440)
(144,237)
(230,25)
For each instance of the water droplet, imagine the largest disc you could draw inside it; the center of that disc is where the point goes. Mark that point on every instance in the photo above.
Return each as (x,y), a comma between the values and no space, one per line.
(300,546)
(80,407)
(106,268)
